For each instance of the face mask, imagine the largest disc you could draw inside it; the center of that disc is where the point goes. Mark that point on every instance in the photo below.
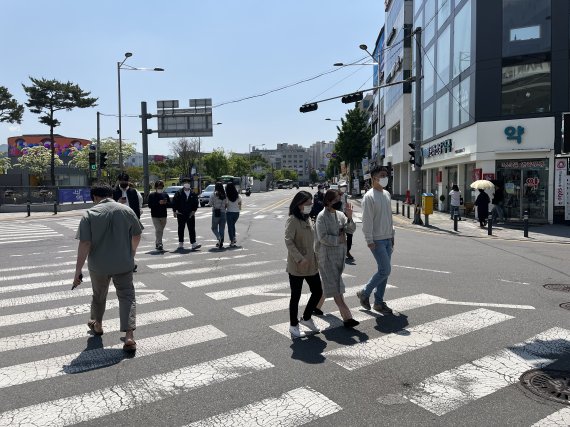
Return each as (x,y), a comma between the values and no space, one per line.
(337,205)
(159,190)
(186,186)
(307,209)
(124,184)
(322,191)
(383,181)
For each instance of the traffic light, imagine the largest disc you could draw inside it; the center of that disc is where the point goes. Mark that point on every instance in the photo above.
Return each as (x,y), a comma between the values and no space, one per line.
(305,108)
(353,97)
(102,160)
(92,161)
(413,154)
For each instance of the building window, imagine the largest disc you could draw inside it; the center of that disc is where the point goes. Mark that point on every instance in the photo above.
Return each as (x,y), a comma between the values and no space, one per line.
(526,27)
(443,54)
(394,134)
(526,33)
(526,88)
(442,113)
(460,102)
(429,19)
(428,74)
(427,122)
(462,40)
(444,8)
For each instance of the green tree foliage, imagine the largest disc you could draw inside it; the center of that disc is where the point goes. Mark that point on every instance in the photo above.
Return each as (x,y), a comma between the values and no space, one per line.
(314,176)
(216,163)
(111,147)
(290,174)
(333,168)
(79,158)
(5,163)
(135,174)
(10,110)
(354,135)
(36,160)
(165,170)
(239,165)
(46,97)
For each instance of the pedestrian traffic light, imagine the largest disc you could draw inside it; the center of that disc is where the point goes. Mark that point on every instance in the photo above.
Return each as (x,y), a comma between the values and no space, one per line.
(353,97)
(92,161)
(102,160)
(412,153)
(305,108)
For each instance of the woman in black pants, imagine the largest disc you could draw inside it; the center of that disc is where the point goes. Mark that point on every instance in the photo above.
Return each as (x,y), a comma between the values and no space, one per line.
(301,262)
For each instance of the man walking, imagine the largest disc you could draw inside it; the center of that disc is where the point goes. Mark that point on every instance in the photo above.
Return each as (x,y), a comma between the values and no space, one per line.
(109,234)
(127,195)
(379,235)
(185,205)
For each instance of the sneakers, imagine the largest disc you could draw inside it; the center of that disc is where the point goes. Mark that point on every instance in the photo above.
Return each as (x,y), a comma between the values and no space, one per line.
(317,312)
(295,332)
(196,246)
(135,268)
(159,247)
(180,245)
(349,256)
(309,324)
(233,244)
(364,302)
(351,323)
(383,308)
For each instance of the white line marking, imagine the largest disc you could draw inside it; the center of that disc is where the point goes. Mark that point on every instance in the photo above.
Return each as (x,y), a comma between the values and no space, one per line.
(452,389)
(68,250)
(215,269)
(421,336)
(102,357)
(40,285)
(294,408)
(263,243)
(421,269)
(259,216)
(249,290)
(31,267)
(24,241)
(121,397)
(185,263)
(486,304)
(510,281)
(180,256)
(560,418)
(42,274)
(50,336)
(72,310)
(232,278)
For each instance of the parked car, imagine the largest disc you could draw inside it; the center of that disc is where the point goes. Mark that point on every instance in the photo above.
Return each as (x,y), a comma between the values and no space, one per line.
(205,195)
(171,190)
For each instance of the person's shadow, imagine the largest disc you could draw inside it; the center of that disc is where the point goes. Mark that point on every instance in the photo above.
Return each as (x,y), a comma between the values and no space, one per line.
(346,336)
(309,349)
(95,356)
(392,323)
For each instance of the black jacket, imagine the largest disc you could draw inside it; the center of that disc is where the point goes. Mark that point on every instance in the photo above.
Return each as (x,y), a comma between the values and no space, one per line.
(156,209)
(132,197)
(185,205)
(318,204)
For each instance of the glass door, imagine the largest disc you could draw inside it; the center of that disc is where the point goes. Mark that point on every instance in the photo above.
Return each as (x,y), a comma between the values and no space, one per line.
(534,193)
(512,192)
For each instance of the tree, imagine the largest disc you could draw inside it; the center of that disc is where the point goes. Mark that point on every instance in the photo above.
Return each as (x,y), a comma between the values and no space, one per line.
(290,174)
(314,176)
(46,97)
(79,158)
(111,147)
(239,165)
(135,174)
(10,110)
(216,163)
(186,153)
(5,163)
(354,135)
(36,160)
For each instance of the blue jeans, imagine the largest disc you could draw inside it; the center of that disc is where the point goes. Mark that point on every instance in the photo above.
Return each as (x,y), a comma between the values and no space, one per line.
(232,218)
(219,225)
(382,254)
(455,209)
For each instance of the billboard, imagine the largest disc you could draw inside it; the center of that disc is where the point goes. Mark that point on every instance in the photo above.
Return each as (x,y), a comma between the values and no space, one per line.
(63,144)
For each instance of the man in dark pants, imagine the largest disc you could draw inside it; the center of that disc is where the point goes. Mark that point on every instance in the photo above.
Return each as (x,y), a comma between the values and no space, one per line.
(184,206)
(128,195)
(318,202)
(109,234)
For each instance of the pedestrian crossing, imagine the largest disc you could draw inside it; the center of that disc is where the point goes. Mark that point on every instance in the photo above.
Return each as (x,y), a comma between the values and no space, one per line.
(254,289)
(25,232)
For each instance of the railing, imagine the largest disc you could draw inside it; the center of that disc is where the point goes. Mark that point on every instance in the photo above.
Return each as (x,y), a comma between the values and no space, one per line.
(21,195)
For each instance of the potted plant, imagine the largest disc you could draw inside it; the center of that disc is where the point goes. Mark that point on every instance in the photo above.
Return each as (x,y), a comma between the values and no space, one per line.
(441,206)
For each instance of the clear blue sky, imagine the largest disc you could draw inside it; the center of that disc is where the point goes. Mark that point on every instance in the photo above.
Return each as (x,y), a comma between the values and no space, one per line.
(223,49)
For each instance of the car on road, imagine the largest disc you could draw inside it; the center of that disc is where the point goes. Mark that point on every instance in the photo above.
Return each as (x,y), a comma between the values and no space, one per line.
(171,190)
(333,187)
(205,195)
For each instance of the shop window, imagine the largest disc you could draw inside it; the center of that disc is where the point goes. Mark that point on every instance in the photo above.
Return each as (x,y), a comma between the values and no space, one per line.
(462,39)
(526,88)
(394,134)
(526,27)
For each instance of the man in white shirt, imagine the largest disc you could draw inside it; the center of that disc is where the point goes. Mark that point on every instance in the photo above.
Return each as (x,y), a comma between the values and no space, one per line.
(379,235)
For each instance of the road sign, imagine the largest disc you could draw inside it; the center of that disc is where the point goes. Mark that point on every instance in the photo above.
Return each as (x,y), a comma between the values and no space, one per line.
(185,122)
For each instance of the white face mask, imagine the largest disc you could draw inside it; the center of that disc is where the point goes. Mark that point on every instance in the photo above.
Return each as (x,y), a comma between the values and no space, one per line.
(307,209)
(159,190)
(187,186)
(383,181)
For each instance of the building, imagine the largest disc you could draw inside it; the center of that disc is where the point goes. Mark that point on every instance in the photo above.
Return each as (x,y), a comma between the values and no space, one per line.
(288,156)
(495,85)
(320,154)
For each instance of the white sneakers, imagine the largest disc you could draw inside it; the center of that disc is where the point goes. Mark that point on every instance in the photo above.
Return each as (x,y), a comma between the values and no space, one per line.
(180,245)
(310,324)
(196,246)
(296,332)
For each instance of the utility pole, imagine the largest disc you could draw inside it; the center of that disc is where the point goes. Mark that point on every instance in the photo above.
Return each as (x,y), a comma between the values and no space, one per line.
(418,127)
(98,145)
(145,131)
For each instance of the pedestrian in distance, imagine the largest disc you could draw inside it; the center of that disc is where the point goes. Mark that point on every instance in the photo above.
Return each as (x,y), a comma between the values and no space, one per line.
(379,235)
(318,202)
(498,200)
(126,194)
(109,234)
(158,202)
(330,246)
(455,201)
(301,262)
(184,205)
(482,202)
(343,188)
(219,204)
(232,213)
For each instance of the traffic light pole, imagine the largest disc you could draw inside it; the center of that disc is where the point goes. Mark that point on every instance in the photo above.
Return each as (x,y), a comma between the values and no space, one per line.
(145,131)
(98,147)
(418,127)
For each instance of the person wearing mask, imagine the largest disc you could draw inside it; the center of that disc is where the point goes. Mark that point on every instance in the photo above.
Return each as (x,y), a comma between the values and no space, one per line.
(219,204)
(232,213)
(126,194)
(184,205)
(332,226)
(482,202)
(109,234)
(455,201)
(318,204)
(158,203)
(301,262)
(343,188)
(379,235)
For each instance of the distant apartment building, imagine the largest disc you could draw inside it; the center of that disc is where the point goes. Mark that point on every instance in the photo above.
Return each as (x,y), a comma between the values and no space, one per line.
(288,156)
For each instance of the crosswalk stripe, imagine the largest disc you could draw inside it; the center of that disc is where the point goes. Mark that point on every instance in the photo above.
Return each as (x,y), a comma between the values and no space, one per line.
(8,236)
(80,331)
(53,296)
(249,290)
(294,408)
(22,241)
(101,357)
(39,285)
(334,319)
(179,263)
(559,418)
(178,255)
(121,397)
(232,278)
(259,216)
(30,267)
(452,389)
(72,310)
(421,336)
(39,274)
(212,268)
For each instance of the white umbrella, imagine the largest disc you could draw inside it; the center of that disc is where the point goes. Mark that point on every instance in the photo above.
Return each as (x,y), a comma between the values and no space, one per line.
(482,184)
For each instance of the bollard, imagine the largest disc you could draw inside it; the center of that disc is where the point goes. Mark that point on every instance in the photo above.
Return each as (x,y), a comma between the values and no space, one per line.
(28,208)
(403,209)
(426,220)
(408,212)
(525,218)
(397,207)
(455,217)
(55,208)
(490,224)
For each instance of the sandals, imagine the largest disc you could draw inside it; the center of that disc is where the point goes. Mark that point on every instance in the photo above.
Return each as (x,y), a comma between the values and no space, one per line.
(130,345)
(95,327)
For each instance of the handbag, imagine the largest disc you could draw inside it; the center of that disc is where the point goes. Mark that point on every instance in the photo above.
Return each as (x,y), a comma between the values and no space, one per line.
(461,201)
(217,212)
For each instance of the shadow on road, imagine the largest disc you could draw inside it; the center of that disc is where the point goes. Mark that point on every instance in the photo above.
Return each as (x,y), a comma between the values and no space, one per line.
(309,350)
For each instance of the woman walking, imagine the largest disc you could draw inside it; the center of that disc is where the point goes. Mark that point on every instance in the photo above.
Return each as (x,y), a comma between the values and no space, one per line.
(301,262)
(332,227)
(219,204)
(158,202)
(455,201)
(232,215)
(482,202)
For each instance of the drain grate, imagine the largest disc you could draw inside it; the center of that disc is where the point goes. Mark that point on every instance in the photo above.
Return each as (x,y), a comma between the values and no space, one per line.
(557,287)
(565,305)
(548,383)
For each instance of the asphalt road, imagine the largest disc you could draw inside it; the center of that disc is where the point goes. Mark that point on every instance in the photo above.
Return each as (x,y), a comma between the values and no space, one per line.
(213,347)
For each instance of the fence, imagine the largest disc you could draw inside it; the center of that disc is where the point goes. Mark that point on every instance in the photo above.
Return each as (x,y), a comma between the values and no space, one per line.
(14,195)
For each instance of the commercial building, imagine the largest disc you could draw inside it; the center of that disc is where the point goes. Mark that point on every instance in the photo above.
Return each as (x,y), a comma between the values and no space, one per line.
(288,156)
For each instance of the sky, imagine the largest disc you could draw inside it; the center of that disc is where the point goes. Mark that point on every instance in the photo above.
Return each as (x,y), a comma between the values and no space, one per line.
(224,49)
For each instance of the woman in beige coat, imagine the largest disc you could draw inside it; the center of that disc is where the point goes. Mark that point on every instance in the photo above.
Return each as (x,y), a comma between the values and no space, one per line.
(301,262)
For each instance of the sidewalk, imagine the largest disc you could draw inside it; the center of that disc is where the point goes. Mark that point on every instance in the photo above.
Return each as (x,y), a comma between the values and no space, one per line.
(45,212)
(439,222)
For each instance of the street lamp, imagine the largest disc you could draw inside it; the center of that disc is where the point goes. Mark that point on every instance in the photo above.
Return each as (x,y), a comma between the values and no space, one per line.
(333,120)
(121,66)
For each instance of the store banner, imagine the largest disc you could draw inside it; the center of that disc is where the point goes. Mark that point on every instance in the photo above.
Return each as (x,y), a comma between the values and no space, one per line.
(560,182)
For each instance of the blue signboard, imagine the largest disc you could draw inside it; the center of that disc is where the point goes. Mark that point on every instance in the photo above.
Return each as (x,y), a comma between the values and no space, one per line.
(66,195)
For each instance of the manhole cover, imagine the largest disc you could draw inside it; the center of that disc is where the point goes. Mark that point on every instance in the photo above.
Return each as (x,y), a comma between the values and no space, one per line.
(557,287)
(565,305)
(549,384)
